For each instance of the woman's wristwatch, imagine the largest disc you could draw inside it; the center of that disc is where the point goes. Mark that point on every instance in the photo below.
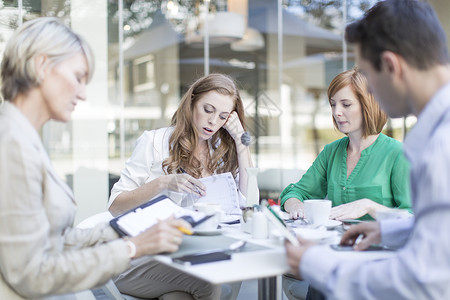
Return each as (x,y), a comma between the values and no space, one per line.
(246,138)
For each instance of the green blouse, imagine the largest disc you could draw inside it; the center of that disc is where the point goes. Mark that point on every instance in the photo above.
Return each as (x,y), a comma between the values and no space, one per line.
(382,175)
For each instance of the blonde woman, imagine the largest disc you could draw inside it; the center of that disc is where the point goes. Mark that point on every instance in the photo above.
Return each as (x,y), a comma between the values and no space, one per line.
(44,72)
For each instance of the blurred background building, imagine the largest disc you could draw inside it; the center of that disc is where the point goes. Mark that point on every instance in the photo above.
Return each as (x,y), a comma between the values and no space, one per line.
(282,53)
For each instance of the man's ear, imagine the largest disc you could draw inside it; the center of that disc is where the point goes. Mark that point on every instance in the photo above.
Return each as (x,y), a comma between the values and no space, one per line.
(40,65)
(390,62)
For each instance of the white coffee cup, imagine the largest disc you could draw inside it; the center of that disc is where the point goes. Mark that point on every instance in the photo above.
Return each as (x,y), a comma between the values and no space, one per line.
(209,209)
(208,225)
(317,211)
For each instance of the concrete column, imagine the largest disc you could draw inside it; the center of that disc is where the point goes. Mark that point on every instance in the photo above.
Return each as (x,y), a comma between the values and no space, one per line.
(89,125)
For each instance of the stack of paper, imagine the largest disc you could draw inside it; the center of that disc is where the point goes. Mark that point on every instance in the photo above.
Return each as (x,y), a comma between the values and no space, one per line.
(221,189)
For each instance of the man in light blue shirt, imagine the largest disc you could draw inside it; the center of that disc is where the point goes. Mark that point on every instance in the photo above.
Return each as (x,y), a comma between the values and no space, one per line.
(402,49)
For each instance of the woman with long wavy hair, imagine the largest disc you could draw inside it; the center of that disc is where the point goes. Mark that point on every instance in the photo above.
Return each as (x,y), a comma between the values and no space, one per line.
(205,138)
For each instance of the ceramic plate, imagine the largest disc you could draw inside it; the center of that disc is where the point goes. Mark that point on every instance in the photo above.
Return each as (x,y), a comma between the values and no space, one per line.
(331,224)
(315,235)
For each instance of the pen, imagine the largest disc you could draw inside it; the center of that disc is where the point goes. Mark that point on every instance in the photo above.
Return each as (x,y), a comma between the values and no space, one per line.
(196,189)
(182,229)
(185,230)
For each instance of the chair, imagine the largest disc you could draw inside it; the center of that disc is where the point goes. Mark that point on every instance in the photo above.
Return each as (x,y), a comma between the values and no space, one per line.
(293,288)
(271,182)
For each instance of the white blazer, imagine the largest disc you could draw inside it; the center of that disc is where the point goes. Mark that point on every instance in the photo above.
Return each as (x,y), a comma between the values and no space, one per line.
(145,165)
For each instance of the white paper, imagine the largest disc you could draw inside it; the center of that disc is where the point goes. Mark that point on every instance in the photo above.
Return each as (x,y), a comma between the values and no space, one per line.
(221,189)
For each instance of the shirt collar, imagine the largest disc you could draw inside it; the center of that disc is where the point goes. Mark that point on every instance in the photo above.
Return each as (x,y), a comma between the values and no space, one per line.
(366,152)
(427,121)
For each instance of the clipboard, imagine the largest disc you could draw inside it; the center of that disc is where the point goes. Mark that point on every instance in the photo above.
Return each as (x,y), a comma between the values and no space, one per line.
(279,224)
(142,217)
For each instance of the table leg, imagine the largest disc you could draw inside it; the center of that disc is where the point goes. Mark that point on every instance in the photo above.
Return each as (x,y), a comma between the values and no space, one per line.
(270,288)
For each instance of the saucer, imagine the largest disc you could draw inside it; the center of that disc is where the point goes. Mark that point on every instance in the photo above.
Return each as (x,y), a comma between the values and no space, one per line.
(315,235)
(331,224)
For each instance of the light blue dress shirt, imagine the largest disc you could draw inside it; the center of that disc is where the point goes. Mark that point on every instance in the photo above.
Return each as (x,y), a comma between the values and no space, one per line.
(421,267)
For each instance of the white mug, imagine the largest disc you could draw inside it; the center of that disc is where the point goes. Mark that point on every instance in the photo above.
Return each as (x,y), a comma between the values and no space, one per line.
(208,225)
(210,209)
(317,211)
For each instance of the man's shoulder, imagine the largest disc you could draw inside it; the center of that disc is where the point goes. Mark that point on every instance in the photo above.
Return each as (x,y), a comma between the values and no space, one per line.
(440,133)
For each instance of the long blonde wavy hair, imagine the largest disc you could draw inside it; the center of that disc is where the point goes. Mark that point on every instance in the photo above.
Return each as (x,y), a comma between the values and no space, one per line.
(184,138)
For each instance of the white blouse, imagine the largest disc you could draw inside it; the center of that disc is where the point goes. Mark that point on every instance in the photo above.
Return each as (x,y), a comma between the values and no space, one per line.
(145,165)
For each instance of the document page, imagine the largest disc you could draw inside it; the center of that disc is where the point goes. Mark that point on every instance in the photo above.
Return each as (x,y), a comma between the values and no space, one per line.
(221,189)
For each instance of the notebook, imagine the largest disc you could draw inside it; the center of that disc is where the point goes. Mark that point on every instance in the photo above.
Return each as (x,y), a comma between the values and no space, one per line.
(137,220)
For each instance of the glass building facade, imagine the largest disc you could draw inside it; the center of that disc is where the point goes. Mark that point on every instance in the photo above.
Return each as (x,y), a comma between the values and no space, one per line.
(282,53)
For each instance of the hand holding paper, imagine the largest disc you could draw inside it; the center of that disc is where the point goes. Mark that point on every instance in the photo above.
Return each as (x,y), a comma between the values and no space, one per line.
(184,183)
(221,189)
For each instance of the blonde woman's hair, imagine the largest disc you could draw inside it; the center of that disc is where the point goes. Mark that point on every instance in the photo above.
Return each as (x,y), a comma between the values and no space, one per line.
(46,36)
(374,118)
(184,138)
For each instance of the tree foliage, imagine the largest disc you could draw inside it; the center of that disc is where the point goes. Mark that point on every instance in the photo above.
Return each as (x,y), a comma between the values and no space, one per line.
(139,14)
(328,13)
